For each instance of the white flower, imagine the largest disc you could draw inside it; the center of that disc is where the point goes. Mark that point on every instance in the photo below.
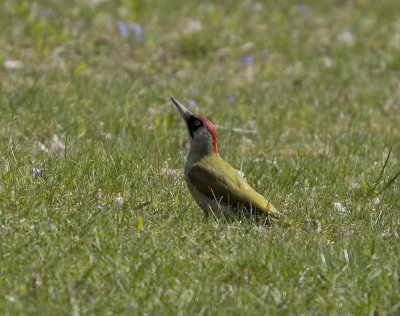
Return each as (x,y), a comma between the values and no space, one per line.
(119,199)
(13,64)
(339,207)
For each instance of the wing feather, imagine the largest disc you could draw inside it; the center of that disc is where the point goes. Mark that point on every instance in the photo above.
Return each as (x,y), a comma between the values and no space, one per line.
(230,189)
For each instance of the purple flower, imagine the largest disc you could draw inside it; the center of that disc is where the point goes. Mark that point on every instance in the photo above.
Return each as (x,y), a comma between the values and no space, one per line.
(137,30)
(47,13)
(126,28)
(192,103)
(123,29)
(231,97)
(38,172)
(305,9)
(248,59)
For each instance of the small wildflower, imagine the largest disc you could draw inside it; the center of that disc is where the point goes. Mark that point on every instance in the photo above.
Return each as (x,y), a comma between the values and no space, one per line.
(377,201)
(248,59)
(347,37)
(304,9)
(42,147)
(123,28)
(10,298)
(99,193)
(231,98)
(193,26)
(328,63)
(38,172)
(137,30)
(126,28)
(119,199)
(12,64)
(192,103)
(337,206)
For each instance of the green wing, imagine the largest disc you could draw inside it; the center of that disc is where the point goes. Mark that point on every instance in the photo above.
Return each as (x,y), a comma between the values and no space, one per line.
(206,176)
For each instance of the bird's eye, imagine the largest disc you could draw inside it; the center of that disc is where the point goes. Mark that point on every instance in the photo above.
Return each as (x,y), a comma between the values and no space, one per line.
(197,123)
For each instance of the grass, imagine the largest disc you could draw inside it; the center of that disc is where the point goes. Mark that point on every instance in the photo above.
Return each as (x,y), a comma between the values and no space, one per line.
(105,225)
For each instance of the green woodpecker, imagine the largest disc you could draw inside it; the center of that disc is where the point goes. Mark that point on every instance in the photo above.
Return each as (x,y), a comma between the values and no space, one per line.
(214,184)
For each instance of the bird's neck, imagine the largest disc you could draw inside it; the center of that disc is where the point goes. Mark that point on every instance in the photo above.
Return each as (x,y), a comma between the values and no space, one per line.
(200,149)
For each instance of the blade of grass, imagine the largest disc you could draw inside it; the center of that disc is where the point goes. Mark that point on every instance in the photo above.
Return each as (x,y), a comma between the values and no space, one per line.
(380,175)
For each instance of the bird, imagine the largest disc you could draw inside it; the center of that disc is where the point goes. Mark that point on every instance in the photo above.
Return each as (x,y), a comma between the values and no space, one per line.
(214,184)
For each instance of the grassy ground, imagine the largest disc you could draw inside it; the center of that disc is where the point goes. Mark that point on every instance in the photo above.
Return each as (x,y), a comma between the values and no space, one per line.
(95,215)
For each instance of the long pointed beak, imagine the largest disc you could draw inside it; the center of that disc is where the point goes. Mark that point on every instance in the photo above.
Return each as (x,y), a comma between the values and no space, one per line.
(184,111)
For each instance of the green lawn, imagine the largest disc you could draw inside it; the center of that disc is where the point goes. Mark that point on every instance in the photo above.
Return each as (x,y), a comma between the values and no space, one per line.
(95,216)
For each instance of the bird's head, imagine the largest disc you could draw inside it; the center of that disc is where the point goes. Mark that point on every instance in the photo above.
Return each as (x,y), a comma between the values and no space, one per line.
(203,135)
